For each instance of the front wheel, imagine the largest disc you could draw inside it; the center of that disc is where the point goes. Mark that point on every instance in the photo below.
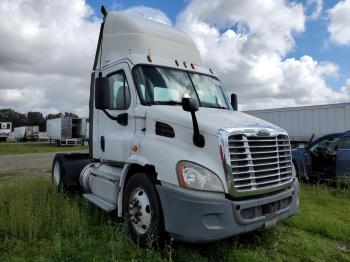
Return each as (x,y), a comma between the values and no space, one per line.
(142,211)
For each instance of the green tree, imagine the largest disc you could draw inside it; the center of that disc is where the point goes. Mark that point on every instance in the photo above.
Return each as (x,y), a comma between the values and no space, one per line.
(36,119)
(53,116)
(69,114)
(10,115)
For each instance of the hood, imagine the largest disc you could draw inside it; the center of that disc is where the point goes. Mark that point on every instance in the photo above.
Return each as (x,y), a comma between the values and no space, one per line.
(210,120)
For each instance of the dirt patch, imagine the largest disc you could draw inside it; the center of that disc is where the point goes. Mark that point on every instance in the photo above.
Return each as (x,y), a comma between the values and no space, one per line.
(25,165)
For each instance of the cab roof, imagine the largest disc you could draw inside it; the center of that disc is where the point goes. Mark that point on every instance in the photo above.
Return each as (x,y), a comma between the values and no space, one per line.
(125,36)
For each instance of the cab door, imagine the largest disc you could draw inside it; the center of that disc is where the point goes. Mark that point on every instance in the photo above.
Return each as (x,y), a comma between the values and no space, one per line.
(323,157)
(116,126)
(343,157)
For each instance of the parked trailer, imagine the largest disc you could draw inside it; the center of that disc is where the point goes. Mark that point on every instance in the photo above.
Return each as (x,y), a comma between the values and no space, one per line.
(302,122)
(66,130)
(5,130)
(43,136)
(26,133)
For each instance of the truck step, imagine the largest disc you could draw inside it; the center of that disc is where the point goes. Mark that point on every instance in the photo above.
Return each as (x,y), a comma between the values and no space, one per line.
(103,204)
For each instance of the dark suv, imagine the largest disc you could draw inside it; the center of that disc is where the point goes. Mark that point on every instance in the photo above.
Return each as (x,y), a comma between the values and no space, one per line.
(328,157)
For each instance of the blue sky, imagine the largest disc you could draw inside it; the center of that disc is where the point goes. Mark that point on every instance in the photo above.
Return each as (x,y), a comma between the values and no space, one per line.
(314,41)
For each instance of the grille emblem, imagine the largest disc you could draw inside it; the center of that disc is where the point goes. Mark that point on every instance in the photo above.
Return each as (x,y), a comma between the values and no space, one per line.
(263,132)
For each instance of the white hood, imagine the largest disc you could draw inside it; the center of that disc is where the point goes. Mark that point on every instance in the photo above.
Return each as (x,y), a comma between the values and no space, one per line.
(210,120)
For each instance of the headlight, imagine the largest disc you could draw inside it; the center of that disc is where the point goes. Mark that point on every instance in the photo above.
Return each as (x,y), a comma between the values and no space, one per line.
(194,176)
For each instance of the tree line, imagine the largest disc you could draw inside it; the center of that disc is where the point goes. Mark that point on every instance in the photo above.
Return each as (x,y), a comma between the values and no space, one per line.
(30,118)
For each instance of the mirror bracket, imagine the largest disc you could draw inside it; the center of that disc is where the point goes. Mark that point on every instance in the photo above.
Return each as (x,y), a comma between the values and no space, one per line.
(122,118)
(190,105)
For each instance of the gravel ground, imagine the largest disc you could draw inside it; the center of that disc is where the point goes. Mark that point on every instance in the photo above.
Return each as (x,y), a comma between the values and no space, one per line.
(18,165)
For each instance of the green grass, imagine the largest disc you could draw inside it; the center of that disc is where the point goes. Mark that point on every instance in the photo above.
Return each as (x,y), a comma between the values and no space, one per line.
(22,148)
(39,224)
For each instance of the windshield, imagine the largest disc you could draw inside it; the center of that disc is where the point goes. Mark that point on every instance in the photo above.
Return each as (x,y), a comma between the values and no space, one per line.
(158,85)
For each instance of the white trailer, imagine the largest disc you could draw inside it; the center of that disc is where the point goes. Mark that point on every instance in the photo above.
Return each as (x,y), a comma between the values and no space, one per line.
(26,133)
(304,121)
(43,136)
(66,131)
(5,130)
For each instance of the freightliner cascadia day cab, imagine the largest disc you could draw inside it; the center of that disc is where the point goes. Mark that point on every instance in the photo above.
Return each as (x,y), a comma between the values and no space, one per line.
(168,151)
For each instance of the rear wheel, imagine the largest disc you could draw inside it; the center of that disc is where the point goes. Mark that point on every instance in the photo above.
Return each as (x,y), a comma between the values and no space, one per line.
(58,174)
(142,211)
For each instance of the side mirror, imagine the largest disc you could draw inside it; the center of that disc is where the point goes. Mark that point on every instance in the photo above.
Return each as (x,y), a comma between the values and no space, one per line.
(189,104)
(102,93)
(234,102)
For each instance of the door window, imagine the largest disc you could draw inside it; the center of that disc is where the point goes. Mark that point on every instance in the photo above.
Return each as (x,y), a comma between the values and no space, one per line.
(327,147)
(345,143)
(120,93)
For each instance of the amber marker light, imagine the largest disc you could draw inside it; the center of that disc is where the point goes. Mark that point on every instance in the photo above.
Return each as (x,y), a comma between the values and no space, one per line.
(180,175)
(134,148)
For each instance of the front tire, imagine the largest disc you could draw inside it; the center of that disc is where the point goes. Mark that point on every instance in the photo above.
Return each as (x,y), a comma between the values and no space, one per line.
(142,210)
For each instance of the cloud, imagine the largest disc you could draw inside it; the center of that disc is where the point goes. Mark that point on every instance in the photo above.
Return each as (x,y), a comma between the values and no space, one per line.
(150,13)
(47,51)
(346,88)
(339,23)
(318,7)
(246,43)
(46,54)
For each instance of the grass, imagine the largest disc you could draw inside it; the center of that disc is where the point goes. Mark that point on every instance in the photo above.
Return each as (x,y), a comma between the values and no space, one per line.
(39,224)
(22,148)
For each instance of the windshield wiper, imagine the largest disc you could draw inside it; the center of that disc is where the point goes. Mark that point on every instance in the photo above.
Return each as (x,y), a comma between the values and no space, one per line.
(165,103)
(221,107)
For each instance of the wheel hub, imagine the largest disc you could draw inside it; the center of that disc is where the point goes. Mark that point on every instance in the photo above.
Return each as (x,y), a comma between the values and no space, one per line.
(139,210)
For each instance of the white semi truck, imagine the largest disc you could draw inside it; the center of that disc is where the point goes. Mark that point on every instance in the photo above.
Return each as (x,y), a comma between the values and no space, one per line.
(167,149)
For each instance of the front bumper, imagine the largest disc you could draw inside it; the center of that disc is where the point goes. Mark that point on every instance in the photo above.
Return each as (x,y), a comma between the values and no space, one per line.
(193,218)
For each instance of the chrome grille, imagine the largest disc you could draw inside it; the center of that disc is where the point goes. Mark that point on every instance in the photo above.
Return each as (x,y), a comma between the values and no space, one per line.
(260,162)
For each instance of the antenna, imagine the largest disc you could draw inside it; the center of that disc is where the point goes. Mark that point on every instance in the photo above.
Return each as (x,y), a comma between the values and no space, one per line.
(104,11)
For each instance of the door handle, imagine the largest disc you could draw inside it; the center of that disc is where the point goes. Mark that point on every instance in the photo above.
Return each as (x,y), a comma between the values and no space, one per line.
(102,143)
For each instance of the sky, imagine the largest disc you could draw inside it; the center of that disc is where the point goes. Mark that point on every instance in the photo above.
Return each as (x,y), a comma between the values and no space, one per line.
(272,53)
